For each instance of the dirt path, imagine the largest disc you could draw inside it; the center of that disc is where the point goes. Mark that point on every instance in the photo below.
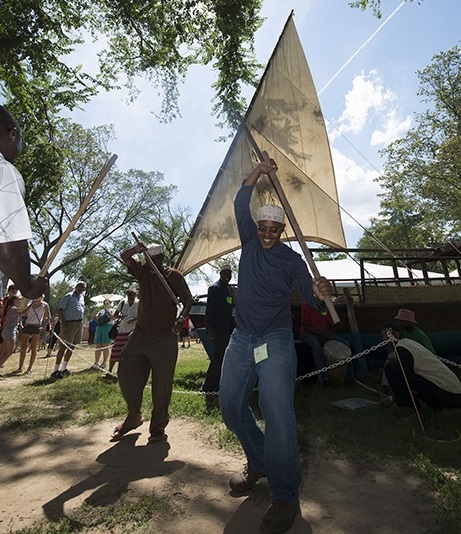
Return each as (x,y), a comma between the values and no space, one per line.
(65,468)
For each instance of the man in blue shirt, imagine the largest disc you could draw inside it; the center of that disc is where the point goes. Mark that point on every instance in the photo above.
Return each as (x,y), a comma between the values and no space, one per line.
(262,349)
(70,312)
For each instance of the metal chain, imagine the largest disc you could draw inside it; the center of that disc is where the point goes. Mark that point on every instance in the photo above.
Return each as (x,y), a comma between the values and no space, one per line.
(449,362)
(346,360)
(299,378)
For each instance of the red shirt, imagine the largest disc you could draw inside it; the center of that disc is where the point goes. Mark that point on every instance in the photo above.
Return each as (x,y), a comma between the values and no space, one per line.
(319,321)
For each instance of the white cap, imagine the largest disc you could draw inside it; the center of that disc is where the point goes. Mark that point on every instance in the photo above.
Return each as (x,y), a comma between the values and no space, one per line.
(271,212)
(225,267)
(154,248)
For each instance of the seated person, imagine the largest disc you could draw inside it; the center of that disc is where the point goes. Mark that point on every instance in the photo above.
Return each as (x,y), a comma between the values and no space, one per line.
(428,378)
(316,329)
(406,319)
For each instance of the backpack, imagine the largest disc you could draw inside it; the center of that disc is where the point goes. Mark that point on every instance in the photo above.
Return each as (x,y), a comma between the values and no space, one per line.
(101,320)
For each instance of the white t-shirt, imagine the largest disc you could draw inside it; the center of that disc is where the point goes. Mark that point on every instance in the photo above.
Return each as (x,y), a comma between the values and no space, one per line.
(430,367)
(14,220)
(129,315)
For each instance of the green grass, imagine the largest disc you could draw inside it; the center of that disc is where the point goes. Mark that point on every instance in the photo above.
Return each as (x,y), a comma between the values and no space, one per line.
(369,438)
(123,516)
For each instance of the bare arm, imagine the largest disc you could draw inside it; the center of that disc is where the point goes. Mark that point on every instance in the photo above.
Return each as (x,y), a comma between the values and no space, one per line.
(128,254)
(15,264)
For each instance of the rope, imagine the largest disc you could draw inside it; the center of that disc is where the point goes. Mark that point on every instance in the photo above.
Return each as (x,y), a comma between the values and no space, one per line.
(396,352)
(72,348)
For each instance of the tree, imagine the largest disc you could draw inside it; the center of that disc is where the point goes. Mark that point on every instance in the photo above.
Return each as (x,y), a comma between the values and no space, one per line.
(375,5)
(103,269)
(124,201)
(157,40)
(328,255)
(421,202)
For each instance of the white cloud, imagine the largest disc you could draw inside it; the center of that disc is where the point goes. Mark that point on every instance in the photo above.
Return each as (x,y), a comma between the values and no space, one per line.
(393,128)
(358,194)
(369,101)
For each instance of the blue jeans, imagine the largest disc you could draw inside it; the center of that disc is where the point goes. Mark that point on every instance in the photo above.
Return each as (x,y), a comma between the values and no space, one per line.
(274,451)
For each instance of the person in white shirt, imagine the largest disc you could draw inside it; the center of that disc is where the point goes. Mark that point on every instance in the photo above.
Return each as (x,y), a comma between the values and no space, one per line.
(127,313)
(38,318)
(14,220)
(412,367)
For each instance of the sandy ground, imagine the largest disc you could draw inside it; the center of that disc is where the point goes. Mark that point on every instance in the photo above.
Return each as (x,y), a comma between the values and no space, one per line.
(49,476)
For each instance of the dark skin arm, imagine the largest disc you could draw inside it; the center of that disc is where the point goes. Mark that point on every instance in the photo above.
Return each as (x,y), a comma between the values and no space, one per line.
(15,264)
(127,257)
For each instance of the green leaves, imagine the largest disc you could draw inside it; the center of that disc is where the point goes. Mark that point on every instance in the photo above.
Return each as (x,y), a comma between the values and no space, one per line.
(421,199)
(156,40)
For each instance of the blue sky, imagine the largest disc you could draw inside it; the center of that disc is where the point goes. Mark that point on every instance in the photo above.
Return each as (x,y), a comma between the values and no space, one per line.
(370,102)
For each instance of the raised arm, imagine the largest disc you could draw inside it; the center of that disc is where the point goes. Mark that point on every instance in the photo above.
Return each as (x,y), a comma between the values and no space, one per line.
(261,168)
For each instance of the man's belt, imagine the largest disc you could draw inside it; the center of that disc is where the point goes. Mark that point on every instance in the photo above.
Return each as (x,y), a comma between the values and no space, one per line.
(74,320)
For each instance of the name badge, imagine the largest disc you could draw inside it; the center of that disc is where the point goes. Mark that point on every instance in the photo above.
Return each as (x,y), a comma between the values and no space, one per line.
(260,353)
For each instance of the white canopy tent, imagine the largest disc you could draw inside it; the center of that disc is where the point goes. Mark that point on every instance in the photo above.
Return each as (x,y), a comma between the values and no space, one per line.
(345,271)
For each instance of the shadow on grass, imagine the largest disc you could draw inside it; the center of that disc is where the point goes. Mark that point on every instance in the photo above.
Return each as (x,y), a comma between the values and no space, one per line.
(190,381)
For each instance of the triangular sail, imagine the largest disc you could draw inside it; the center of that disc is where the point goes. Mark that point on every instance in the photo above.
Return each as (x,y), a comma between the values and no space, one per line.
(285,120)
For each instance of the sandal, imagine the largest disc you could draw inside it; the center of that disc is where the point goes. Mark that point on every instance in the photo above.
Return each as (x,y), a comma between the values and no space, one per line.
(17,372)
(121,430)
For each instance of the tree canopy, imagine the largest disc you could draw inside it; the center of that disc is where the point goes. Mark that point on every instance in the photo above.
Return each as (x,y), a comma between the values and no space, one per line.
(421,199)
(159,40)
(124,202)
(374,5)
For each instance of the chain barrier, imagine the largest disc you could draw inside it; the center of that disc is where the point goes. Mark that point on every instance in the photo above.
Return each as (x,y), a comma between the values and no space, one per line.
(325,369)
(308,375)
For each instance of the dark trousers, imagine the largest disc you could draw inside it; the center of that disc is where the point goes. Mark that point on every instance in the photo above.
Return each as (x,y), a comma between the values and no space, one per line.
(427,391)
(142,355)
(213,374)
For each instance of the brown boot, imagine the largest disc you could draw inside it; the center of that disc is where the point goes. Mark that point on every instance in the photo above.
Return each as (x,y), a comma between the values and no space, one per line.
(243,482)
(279,517)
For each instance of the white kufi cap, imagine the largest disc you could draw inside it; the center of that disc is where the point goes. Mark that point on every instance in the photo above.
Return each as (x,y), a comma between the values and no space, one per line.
(154,248)
(271,212)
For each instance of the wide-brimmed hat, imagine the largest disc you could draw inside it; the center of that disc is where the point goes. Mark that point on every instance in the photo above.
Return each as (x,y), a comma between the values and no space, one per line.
(406,315)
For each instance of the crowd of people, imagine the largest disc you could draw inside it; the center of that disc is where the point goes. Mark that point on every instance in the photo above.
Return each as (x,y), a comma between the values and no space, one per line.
(252,339)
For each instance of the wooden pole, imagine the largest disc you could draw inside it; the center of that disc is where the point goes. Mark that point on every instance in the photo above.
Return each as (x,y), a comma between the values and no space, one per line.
(263,156)
(151,262)
(356,337)
(76,217)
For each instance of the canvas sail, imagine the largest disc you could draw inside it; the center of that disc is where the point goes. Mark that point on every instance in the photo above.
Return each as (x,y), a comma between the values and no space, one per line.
(285,119)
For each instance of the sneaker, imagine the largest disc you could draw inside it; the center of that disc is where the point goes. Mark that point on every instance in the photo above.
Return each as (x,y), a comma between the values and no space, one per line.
(65,373)
(279,517)
(241,483)
(102,366)
(95,367)
(56,374)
